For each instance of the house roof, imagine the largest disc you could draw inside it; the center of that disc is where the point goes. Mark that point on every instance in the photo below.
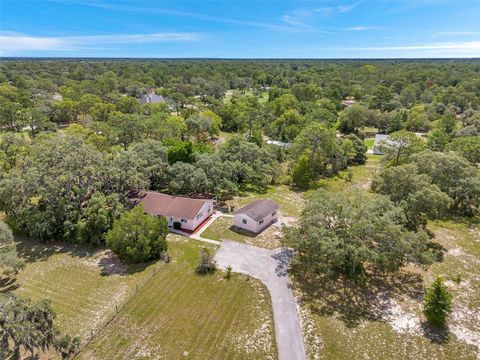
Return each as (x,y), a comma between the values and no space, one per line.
(152,98)
(156,203)
(258,209)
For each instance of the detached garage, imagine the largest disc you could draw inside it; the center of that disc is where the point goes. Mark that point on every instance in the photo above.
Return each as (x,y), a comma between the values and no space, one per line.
(256,216)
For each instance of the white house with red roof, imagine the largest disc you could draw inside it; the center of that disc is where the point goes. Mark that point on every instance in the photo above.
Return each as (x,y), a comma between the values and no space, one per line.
(181,212)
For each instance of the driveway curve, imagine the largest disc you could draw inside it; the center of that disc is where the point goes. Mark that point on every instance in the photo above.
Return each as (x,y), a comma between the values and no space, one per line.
(270,267)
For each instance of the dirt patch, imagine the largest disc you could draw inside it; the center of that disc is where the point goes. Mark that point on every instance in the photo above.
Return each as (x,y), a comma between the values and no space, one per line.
(401,321)
(107,261)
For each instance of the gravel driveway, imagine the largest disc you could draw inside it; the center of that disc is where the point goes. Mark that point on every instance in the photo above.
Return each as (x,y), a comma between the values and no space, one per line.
(270,266)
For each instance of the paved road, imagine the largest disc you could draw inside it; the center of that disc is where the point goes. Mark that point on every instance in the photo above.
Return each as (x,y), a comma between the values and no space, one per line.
(270,266)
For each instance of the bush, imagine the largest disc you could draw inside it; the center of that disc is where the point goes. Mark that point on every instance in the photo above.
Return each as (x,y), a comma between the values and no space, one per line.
(138,237)
(438,303)
(228,273)
(206,263)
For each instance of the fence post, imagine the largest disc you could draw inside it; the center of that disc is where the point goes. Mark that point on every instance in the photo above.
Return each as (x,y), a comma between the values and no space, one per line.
(91,333)
(136,285)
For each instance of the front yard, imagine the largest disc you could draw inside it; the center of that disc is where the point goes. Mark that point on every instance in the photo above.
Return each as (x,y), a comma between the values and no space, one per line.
(83,284)
(179,314)
(221,230)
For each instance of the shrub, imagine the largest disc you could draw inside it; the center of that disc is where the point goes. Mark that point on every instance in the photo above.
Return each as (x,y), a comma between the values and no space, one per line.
(438,303)
(138,237)
(206,263)
(228,274)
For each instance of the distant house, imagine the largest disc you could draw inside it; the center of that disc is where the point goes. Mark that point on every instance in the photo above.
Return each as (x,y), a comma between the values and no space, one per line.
(152,98)
(279,143)
(181,212)
(348,102)
(256,216)
(380,139)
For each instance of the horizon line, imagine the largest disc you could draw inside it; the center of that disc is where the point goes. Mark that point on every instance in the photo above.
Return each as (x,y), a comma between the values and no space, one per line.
(225,58)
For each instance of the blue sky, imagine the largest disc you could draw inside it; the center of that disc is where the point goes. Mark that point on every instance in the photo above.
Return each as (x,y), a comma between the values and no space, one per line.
(241,29)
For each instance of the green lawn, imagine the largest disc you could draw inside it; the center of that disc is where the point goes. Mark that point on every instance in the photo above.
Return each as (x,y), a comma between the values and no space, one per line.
(290,202)
(83,284)
(369,143)
(180,314)
(221,229)
(262,98)
(361,176)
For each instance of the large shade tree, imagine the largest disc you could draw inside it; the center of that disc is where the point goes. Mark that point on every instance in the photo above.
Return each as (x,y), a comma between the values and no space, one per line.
(351,235)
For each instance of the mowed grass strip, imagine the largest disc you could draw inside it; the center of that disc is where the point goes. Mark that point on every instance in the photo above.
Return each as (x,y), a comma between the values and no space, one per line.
(178,313)
(83,294)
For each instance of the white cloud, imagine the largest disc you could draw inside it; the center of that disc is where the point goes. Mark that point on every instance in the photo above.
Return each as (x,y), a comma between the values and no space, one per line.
(468,46)
(300,17)
(362,28)
(456,33)
(15,43)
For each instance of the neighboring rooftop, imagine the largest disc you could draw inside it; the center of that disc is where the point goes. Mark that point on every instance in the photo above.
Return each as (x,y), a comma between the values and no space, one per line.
(258,209)
(156,203)
(152,98)
(279,143)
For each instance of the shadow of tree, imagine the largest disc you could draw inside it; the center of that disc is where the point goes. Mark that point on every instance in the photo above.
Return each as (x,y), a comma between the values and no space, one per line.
(8,284)
(33,251)
(282,258)
(351,302)
(436,334)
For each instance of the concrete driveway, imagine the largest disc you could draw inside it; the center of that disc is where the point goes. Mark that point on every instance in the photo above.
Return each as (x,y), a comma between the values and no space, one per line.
(270,267)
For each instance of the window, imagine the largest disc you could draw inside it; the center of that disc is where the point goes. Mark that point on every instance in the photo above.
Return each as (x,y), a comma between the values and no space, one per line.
(261,221)
(274,213)
(183,220)
(199,215)
(244,221)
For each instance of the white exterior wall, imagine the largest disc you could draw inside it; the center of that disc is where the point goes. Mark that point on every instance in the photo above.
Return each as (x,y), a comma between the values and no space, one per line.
(206,210)
(191,224)
(267,220)
(252,225)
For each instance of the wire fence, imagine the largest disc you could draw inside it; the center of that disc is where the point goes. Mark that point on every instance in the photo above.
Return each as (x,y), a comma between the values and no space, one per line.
(112,313)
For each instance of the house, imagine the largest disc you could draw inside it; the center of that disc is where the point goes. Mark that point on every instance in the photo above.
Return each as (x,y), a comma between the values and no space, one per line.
(256,216)
(286,145)
(152,98)
(348,102)
(181,212)
(380,139)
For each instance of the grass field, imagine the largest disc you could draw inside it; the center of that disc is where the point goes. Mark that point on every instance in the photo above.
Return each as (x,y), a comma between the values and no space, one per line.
(221,229)
(369,143)
(83,284)
(361,176)
(180,314)
(290,202)
(262,98)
